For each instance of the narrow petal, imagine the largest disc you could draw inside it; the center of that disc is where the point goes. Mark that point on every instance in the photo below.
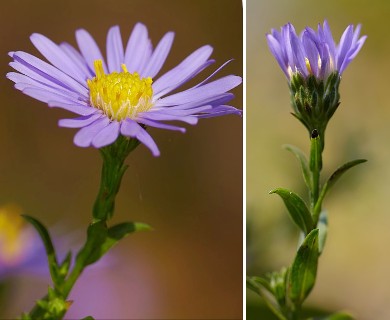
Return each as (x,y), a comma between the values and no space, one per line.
(344,46)
(213,74)
(89,49)
(72,107)
(299,56)
(22,82)
(48,71)
(107,135)
(115,53)
(311,52)
(159,55)
(167,117)
(208,90)
(214,100)
(77,59)
(160,125)
(148,141)
(79,122)
(277,52)
(53,53)
(184,70)
(130,128)
(136,47)
(329,40)
(220,111)
(84,136)
(183,112)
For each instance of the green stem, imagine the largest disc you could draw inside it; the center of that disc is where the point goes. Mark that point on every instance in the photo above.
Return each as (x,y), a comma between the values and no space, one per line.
(103,209)
(315,168)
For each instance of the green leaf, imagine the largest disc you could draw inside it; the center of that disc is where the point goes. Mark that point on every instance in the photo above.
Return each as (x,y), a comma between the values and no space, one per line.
(257,284)
(304,269)
(333,179)
(297,209)
(303,161)
(335,316)
(339,316)
(254,283)
(120,231)
(88,318)
(100,239)
(50,252)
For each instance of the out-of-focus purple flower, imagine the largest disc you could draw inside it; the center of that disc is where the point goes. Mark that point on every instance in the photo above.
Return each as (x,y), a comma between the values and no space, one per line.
(118,96)
(21,249)
(314,53)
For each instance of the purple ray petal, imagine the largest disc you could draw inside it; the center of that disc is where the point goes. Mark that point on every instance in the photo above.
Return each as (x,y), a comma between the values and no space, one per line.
(115,53)
(220,111)
(48,71)
(89,49)
(77,59)
(208,90)
(146,54)
(167,117)
(79,122)
(160,125)
(22,82)
(183,112)
(214,100)
(277,52)
(107,135)
(42,78)
(73,107)
(311,52)
(213,74)
(299,55)
(84,136)
(53,53)
(159,55)
(344,46)
(184,70)
(130,128)
(136,47)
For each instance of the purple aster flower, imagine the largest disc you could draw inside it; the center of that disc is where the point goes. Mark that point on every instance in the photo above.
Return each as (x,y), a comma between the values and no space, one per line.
(121,95)
(314,53)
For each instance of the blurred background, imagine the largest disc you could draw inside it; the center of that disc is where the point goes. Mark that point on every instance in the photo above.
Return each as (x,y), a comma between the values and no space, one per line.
(354,267)
(190,266)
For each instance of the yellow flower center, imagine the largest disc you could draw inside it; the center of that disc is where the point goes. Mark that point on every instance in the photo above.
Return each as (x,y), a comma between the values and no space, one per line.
(120,95)
(11,235)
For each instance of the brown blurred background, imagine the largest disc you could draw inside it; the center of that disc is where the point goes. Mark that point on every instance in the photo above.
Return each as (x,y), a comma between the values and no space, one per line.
(190,266)
(354,268)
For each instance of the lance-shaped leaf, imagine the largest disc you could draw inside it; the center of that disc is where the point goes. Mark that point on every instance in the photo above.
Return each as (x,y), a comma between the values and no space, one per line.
(297,209)
(303,161)
(339,316)
(50,252)
(121,231)
(333,179)
(100,239)
(261,287)
(304,269)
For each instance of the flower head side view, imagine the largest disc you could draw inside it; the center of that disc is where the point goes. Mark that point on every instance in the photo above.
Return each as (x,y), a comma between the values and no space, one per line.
(313,64)
(121,95)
